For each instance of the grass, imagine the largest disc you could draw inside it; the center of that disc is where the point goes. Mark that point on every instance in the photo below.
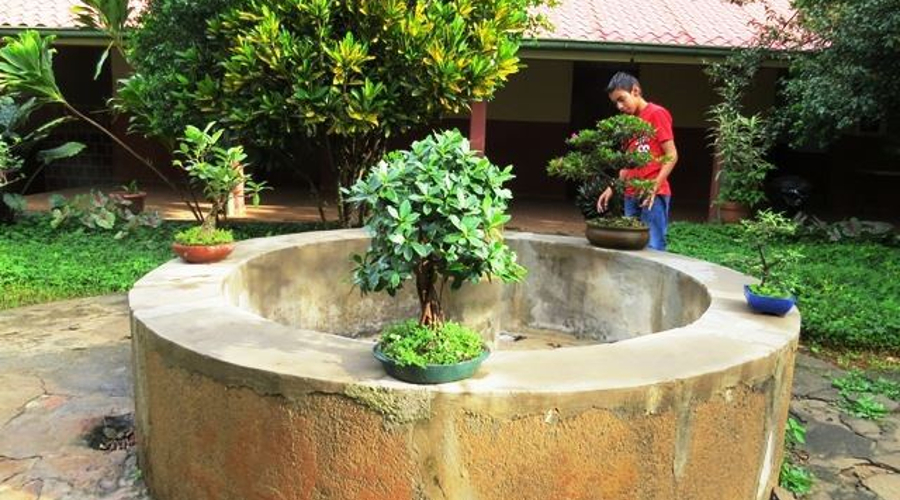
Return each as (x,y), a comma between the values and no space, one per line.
(40,264)
(848,293)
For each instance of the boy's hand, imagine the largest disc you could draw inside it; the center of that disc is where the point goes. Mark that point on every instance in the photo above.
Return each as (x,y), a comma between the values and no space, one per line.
(648,201)
(603,200)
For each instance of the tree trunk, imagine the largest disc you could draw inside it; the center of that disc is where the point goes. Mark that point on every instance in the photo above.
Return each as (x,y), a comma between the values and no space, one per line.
(429,298)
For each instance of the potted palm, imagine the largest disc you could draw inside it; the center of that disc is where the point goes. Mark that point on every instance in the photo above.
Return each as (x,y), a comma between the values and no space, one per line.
(436,214)
(215,171)
(596,157)
(774,292)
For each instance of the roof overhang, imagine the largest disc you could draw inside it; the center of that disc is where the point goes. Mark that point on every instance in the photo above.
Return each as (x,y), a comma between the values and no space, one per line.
(64,36)
(578,50)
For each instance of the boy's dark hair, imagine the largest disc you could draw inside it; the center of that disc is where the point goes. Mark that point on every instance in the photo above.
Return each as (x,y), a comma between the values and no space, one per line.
(622,81)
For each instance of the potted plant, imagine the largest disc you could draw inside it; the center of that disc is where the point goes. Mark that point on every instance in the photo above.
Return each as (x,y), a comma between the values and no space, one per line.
(215,171)
(436,214)
(774,292)
(740,142)
(130,197)
(596,157)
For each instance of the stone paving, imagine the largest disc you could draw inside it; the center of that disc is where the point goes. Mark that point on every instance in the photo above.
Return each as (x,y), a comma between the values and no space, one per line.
(65,366)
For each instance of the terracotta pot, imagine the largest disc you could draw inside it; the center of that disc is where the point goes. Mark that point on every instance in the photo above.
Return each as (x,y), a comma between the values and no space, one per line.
(137,200)
(203,254)
(621,238)
(731,212)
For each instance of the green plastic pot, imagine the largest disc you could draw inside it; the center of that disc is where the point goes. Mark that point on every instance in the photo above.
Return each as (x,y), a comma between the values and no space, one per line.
(430,374)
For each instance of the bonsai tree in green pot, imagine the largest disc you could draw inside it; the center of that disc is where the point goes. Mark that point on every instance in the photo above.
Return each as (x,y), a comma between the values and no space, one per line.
(774,292)
(436,215)
(216,171)
(596,157)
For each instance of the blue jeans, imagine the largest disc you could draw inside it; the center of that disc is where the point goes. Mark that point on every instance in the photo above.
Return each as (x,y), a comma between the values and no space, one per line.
(657,218)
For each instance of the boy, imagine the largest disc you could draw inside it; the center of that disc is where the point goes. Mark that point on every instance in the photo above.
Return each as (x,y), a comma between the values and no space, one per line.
(624,91)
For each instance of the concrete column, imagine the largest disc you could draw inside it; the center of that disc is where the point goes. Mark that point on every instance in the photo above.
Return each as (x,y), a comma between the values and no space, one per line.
(478,126)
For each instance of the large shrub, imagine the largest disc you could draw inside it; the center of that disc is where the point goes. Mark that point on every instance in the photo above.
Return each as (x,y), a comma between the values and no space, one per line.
(437,215)
(349,74)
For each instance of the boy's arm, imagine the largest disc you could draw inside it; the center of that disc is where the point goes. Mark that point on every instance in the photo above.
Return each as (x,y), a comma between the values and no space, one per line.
(670,158)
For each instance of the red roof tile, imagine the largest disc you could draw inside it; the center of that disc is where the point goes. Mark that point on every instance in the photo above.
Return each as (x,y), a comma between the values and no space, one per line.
(712,23)
(706,23)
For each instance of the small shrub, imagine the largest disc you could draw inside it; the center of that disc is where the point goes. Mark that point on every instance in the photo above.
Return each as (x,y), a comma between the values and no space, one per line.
(197,236)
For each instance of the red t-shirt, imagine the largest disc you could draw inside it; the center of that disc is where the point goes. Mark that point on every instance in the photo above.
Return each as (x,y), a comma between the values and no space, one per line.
(661,120)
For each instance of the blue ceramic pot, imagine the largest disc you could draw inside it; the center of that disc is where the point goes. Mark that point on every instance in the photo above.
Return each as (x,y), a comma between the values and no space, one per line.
(430,374)
(778,306)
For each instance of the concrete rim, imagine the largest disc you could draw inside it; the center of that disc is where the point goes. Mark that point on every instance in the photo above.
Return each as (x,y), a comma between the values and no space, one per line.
(190,317)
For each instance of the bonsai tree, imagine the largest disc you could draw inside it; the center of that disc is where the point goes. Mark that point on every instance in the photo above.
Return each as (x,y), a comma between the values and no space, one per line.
(215,171)
(772,267)
(595,159)
(436,214)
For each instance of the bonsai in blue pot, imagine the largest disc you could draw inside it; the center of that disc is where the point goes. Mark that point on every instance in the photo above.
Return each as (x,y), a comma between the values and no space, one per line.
(774,292)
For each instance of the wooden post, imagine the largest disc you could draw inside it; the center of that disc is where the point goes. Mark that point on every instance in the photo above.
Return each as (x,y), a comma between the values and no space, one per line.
(713,213)
(478,126)
(236,206)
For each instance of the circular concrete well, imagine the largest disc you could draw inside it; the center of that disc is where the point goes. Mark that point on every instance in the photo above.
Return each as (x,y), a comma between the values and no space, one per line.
(255,380)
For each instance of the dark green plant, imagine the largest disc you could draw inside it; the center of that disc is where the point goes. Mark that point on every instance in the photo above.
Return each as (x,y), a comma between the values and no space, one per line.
(596,155)
(215,170)
(412,344)
(436,214)
(772,267)
(348,75)
(740,142)
(841,55)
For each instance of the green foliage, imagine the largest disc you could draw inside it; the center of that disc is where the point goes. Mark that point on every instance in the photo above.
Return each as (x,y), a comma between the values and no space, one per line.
(774,269)
(131,187)
(42,264)
(851,72)
(794,478)
(215,170)
(740,142)
(99,211)
(26,66)
(411,344)
(437,213)
(858,393)
(168,51)
(108,16)
(846,291)
(196,236)
(348,74)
